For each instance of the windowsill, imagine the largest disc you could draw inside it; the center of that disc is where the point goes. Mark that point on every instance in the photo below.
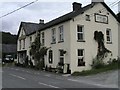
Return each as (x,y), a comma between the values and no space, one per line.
(109,42)
(53,43)
(60,41)
(80,40)
(81,66)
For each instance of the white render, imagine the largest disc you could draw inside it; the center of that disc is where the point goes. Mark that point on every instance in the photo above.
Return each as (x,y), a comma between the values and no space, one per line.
(70,43)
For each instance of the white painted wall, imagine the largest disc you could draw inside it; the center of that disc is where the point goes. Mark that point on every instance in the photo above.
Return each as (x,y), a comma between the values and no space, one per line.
(27,43)
(70,43)
(55,47)
(90,45)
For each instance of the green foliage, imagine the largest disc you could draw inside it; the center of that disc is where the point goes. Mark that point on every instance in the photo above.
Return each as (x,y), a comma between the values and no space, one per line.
(97,63)
(40,65)
(8,38)
(37,51)
(102,51)
(114,65)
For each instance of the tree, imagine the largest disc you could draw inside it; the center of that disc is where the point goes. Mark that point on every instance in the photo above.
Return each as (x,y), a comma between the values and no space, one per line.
(37,51)
(102,50)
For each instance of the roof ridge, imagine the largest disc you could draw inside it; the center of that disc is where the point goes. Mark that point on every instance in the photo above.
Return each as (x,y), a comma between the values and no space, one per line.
(30,22)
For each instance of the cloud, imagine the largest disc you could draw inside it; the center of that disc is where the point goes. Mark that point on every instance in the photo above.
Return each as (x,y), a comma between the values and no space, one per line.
(39,10)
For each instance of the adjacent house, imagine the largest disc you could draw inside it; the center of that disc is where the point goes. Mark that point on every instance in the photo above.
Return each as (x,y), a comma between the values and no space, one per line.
(72,37)
(26,35)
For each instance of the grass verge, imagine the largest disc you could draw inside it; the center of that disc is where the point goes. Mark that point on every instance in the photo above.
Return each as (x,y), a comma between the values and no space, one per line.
(112,66)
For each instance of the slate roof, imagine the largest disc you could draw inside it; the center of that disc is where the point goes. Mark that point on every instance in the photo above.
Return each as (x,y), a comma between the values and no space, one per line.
(31,28)
(73,14)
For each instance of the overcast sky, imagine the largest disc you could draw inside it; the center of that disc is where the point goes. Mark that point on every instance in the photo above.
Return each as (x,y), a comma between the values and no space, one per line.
(41,9)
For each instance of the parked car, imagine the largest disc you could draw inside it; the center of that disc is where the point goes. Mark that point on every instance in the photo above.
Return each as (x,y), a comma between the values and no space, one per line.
(8,58)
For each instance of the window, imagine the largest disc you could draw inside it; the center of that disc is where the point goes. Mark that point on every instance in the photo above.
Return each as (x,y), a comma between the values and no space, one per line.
(23,43)
(101,18)
(20,44)
(61,57)
(108,35)
(81,61)
(80,33)
(53,35)
(50,56)
(87,17)
(43,38)
(61,33)
(30,40)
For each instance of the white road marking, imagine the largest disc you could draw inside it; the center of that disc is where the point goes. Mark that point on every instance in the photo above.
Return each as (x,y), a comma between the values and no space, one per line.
(17,76)
(48,85)
(92,83)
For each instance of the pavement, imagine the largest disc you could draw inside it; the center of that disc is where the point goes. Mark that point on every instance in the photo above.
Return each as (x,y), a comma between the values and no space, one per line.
(16,77)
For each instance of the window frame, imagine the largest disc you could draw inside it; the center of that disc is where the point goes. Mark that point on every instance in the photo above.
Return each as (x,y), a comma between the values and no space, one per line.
(23,43)
(20,44)
(81,57)
(50,57)
(30,40)
(53,36)
(61,33)
(61,56)
(109,36)
(80,33)
(87,17)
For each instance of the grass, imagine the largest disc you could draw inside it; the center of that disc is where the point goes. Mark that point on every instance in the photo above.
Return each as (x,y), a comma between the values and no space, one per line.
(112,66)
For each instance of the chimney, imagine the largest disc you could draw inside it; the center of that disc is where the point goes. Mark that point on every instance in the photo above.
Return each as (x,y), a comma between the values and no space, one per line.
(41,21)
(76,6)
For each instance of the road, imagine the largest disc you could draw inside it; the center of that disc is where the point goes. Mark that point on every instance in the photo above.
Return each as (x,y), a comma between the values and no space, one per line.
(16,77)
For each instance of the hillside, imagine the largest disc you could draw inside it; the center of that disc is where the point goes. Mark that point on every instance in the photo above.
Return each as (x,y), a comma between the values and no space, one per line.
(8,38)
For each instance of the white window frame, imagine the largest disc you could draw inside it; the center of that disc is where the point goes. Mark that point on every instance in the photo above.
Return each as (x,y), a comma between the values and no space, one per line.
(23,43)
(81,56)
(109,36)
(50,57)
(60,51)
(30,40)
(20,44)
(78,33)
(61,33)
(53,35)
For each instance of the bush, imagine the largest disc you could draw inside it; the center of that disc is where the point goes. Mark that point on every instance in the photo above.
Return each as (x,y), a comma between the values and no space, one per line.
(97,63)
(40,65)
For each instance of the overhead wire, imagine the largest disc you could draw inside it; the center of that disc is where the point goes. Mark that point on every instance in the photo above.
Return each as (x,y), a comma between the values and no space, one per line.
(18,9)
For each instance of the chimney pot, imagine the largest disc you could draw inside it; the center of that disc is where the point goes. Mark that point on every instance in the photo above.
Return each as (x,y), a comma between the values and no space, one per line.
(41,21)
